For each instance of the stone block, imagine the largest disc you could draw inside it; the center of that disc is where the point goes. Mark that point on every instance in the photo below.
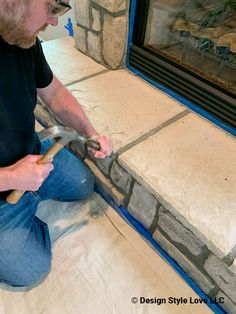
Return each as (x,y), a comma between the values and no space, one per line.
(201,280)
(80,38)
(94,46)
(112,5)
(114,40)
(221,274)
(96,24)
(226,304)
(121,177)
(118,197)
(106,184)
(82,12)
(229,258)
(233,267)
(142,205)
(104,164)
(178,233)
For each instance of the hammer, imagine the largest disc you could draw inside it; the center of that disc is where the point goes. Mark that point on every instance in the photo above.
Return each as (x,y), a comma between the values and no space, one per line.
(62,135)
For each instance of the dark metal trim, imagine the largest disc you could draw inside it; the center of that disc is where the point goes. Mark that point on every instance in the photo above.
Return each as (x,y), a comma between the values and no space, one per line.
(217,103)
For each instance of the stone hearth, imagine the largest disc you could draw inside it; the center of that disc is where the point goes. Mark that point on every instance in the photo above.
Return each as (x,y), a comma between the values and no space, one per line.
(173,170)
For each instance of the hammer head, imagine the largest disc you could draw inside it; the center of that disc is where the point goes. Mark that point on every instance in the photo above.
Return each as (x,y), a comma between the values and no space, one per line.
(64,135)
(61,134)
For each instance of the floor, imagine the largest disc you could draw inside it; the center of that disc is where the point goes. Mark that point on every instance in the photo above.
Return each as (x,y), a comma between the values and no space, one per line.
(99,264)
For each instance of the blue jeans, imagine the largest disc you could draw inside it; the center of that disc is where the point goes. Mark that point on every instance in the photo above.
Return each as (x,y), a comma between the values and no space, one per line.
(25,247)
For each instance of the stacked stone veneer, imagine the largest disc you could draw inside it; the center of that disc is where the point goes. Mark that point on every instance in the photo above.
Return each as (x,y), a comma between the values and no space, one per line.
(213,272)
(101,30)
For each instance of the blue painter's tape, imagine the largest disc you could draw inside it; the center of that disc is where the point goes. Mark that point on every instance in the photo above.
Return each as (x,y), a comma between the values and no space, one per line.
(182,100)
(131,27)
(122,211)
(69,27)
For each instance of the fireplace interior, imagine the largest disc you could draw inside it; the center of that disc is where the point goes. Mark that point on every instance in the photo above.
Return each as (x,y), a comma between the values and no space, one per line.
(189,47)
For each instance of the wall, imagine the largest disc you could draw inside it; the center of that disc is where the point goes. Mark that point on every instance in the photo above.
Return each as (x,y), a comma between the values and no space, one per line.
(59,31)
(101,30)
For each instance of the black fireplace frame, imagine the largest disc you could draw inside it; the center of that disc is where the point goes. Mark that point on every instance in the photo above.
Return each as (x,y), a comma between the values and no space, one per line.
(212,101)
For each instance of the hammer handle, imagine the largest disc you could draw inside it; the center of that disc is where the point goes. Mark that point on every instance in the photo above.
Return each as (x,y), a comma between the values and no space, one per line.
(16,195)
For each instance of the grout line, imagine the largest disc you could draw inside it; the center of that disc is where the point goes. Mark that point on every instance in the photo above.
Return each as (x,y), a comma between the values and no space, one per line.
(153,131)
(87,77)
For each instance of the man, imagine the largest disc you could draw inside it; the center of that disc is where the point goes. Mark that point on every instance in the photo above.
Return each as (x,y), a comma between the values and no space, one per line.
(25,250)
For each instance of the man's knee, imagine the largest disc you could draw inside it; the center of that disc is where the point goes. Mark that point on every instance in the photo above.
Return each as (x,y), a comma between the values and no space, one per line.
(86,186)
(18,272)
(82,185)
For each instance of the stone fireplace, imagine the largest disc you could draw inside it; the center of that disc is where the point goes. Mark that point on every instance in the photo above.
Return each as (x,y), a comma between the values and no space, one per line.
(102,29)
(188,47)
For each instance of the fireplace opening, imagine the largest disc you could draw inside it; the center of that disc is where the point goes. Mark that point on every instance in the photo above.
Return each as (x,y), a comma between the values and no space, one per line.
(189,46)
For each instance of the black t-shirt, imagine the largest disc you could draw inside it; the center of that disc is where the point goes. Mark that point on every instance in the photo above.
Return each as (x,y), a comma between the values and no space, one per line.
(21,72)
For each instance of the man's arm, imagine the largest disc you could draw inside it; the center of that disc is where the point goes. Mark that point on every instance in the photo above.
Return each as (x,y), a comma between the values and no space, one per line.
(69,111)
(5,179)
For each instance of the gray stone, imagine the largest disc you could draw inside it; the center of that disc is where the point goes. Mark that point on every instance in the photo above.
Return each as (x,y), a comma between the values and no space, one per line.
(230,257)
(178,233)
(80,38)
(96,20)
(94,46)
(227,304)
(104,164)
(142,205)
(225,279)
(233,268)
(121,177)
(203,282)
(82,12)
(106,184)
(112,5)
(114,40)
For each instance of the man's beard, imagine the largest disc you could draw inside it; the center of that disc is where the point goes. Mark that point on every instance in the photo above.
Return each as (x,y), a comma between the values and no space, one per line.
(12,24)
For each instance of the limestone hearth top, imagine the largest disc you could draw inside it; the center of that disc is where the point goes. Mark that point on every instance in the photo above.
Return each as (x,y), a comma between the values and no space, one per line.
(185,160)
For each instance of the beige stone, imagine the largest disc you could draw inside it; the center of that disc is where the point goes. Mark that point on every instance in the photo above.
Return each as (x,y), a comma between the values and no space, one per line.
(82,12)
(80,38)
(191,167)
(94,46)
(122,106)
(96,20)
(112,5)
(114,40)
(67,63)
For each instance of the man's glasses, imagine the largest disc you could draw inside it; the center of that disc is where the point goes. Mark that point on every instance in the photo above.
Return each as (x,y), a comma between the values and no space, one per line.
(61,9)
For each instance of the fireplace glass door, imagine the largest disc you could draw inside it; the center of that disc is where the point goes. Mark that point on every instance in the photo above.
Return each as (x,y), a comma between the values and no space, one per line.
(199,35)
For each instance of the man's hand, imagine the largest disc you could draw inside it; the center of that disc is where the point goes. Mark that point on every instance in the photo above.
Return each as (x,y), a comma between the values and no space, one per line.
(105,144)
(27,175)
